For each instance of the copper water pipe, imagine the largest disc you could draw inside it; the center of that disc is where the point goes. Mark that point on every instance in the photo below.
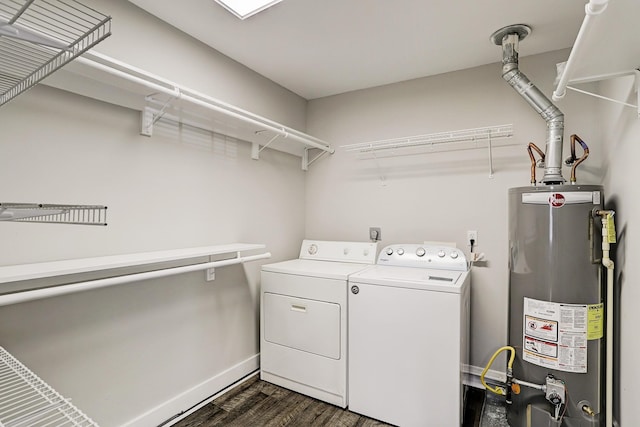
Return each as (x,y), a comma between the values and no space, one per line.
(530,149)
(573,159)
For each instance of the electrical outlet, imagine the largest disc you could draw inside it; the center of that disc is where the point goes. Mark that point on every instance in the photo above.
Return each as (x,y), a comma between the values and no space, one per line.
(472,235)
(375,234)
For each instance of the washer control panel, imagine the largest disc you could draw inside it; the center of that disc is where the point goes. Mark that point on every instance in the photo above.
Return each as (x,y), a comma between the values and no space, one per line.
(424,256)
(323,250)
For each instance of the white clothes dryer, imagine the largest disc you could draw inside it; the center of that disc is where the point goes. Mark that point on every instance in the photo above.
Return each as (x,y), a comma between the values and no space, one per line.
(408,336)
(303,327)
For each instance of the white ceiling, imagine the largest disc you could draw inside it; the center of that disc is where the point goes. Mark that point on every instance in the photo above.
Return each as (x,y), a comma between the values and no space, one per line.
(317,48)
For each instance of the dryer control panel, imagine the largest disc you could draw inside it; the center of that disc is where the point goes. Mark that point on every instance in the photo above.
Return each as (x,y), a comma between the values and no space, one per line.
(424,256)
(323,250)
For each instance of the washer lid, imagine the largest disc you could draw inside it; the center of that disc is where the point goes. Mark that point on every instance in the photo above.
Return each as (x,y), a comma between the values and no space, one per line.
(413,278)
(311,268)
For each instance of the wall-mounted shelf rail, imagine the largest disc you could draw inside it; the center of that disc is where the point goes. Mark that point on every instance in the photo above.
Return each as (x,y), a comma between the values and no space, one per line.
(592,59)
(485,137)
(37,37)
(441,141)
(27,401)
(232,254)
(164,98)
(54,214)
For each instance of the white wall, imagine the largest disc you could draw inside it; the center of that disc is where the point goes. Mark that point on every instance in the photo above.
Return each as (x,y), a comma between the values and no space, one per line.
(122,351)
(439,196)
(622,132)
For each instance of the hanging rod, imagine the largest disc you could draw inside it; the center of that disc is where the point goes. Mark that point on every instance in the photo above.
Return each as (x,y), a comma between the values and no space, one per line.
(36,294)
(167,87)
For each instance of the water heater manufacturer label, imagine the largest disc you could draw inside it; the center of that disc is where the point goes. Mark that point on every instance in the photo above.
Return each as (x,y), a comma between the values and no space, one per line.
(555,335)
(557,200)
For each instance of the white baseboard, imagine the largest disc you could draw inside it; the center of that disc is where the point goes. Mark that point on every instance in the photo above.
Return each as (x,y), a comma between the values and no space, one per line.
(188,398)
(211,388)
(471,376)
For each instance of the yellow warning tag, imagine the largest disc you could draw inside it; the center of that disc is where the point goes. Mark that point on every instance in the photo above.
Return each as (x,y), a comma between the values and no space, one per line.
(595,321)
(611,229)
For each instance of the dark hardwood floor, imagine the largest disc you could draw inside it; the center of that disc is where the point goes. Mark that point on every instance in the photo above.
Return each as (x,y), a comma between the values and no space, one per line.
(257,403)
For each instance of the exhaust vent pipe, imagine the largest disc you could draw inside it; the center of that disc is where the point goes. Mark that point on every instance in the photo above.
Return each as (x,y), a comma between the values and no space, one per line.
(509,37)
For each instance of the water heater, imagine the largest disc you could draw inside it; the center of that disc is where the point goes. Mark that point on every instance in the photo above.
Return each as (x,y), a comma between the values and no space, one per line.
(556,312)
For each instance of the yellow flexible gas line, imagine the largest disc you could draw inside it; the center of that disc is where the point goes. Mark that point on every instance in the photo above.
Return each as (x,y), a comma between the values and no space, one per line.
(498,390)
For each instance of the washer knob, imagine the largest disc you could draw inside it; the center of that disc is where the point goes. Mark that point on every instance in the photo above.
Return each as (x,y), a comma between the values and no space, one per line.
(454,255)
(313,249)
(420,252)
(400,251)
(389,251)
(441,254)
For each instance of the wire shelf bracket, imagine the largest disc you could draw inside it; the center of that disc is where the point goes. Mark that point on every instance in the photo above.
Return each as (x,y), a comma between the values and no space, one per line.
(305,157)
(150,116)
(256,148)
(54,214)
(635,73)
(37,37)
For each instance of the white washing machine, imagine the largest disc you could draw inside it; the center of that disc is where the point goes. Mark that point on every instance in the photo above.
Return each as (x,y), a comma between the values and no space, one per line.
(408,336)
(303,327)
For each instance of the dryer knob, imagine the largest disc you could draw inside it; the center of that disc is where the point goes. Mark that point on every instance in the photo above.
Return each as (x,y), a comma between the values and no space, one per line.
(400,251)
(420,252)
(313,249)
(454,255)
(441,254)
(389,251)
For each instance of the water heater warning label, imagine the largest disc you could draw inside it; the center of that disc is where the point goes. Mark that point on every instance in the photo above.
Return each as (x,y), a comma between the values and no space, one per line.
(595,313)
(555,335)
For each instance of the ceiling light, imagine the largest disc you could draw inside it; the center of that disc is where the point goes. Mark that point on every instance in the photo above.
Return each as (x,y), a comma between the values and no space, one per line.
(246,8)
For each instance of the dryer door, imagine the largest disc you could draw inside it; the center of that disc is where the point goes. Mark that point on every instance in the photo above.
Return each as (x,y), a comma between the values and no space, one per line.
(303,335)
(303,324)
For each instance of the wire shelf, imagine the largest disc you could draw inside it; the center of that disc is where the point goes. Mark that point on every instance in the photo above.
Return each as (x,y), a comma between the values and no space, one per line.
(27,401)
(37,37)
(489,137)
(441,141)
(54,214)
